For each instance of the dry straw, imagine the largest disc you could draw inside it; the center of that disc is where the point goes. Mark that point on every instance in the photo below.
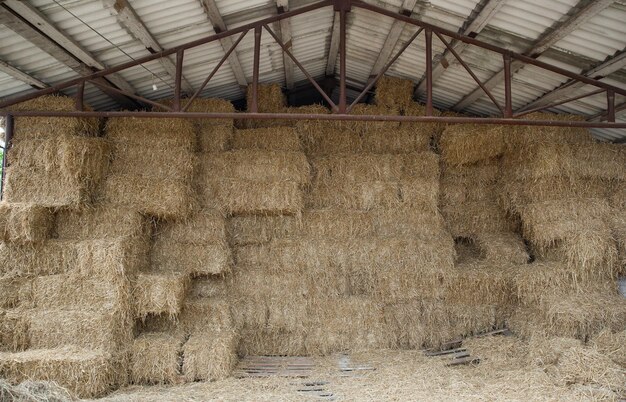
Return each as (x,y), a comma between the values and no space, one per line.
(480,283)
(268,139)
(394,93)
(40,127)
(100,222)
(611,344)
(474,218)
(13,291)
(85,373)
(210,356)
(25,223)
(159,293)
(13,330)
(193,259)
(156,358)
(462,144)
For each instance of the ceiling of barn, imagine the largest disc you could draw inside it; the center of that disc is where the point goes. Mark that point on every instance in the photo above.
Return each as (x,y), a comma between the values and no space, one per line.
(583,36)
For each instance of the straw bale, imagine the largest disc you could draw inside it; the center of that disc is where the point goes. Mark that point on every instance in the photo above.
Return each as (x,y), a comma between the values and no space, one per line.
(418,194)
(86,373)
(502,247)
(428,131)
(207,105)
(394,93)
(373,126)
(617,196)
(204,227)
(270,98)
(515,194)
(13,291)
(206,314)
(524,136)
(369,167)
(480,283)
(474,218)
(85,158)
(203,287)
(587,366)
(25,223)
(331,141)
(482,173)
(353,323)
(46,189)
(304,127)
(256,165)
(402,140)
(611,344)
(214,138)
(404,321)
(13,330)
(462,144)
(84,327)
(67,291)
(192,259)
(46,258)
(147,161)
(156,293)
(455,192)
(156,358)
(163,198)
(268,139)
(110,260)
(152,133)
(600,160)
(271,342)
(210,355)
(39,127)
(100,222)
(540,160)
(236,196)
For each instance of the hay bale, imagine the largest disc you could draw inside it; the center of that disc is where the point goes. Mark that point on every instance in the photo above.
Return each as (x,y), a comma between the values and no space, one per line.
(271,342)
(192,259)
(153,134)
(405,324)
(24,223)
(611,344)
(86,373)
(207,105)
(88,328)
(205,315)
(13,291)
(394,93)
(502,248)
(100,222)
(480,283)
(473,218)
(403,140)
(331,141)
(204,227)
(159,293)
(111,260)
(146,195)
(531,135)
(69,291)
(40,127)
(462,144)
(304,127)
(155,358)
(270,99)
(145,161)
(46,189)
(13,330)
(214,138)
(540,160)
(205,287)
(45,258)
(268,139)
(378,127)
(210,356)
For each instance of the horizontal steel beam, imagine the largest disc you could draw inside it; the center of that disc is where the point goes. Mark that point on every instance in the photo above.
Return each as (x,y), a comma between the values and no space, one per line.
(307,116)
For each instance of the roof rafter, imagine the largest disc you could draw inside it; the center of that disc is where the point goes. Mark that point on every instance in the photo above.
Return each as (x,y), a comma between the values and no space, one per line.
(285,37)
(214,16)
(392,38)
(333,50)
(47,41)
(21,76)
(546,41)
(128,18)
(476,23)
(609,66)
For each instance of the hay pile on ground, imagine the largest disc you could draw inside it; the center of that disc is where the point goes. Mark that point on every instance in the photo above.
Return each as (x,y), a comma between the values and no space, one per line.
(153,166)
(559,184)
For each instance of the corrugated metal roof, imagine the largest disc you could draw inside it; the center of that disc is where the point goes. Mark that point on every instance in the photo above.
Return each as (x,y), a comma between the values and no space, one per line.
(517,25)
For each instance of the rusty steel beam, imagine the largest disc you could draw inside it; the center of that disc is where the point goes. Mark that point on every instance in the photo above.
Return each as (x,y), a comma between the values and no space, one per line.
(8,139)
(342,60)
(429,71)
(610,110)
(309,116)
(254,108)
(551,105)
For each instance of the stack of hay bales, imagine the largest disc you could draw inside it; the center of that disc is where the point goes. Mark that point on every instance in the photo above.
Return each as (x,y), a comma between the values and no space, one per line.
(488,247)
(559,183)
(153,166)
(185,334)
(55,162)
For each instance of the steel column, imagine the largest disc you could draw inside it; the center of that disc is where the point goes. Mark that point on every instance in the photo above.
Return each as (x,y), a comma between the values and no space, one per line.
(508,102)
(80,93)
(429,71)
(254,106)
(8,139)
(610,102)
(178,79)
(342,61)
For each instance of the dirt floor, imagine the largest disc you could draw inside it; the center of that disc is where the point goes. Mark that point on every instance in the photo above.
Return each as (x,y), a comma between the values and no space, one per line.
(508,370)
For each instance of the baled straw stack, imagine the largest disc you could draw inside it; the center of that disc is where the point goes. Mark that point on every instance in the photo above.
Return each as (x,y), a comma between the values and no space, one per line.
(370,127)
(70,291)
(56,172)
(41,127)
(101,222)
(305,127)
(474,218)
(268,139)
(13,330)
(154,154)
(480,283)
(12,291)
(394,93)
(45,258)
(205,287)
(250,181)
(271,342)
(524,136)
(159,293)
(576,231)
(504,247)
(210,356)
(25,223)
(270,99)
(155,358)
(462,144)
(85,373)
(330,140)
(86,327)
